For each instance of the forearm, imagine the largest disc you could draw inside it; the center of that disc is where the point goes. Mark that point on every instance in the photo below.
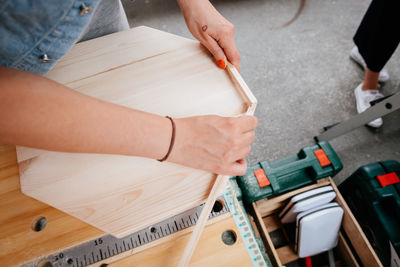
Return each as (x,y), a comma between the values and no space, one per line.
(40,113)
(37,112)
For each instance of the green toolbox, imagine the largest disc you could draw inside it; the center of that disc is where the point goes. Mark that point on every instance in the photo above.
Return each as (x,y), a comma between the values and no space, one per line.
(267,179)
(373,195)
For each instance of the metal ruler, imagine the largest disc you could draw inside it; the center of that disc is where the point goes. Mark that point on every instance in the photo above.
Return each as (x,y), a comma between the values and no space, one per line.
(108,246)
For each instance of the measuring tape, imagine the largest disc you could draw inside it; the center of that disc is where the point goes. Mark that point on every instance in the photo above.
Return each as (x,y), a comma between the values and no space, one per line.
(244,225)
(108,246)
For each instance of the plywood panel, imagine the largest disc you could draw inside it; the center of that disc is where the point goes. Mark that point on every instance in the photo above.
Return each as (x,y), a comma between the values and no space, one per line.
(144,69)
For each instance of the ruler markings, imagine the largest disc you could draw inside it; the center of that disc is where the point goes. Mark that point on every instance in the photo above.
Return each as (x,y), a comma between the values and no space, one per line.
(248,237)
(100,248)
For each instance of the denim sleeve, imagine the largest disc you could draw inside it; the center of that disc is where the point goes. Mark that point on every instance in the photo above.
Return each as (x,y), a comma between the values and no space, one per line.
(35,34)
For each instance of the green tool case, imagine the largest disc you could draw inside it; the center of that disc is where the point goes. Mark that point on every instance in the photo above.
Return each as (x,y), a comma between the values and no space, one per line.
(373,195)
(267,179)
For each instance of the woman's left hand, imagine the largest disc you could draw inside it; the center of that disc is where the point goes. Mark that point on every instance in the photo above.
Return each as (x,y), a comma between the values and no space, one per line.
(215,32)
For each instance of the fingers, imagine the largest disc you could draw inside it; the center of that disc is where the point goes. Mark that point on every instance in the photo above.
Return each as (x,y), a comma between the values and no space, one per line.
(241,153)
(238,154)
(214,48)
(234,163)
(246,123)
(231,52)
(212,30)
(213,143)
(225,38)
(241,149)
(221,45)
(237,168)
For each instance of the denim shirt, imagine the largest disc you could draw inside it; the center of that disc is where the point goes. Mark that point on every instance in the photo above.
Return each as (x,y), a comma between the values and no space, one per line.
(35,34)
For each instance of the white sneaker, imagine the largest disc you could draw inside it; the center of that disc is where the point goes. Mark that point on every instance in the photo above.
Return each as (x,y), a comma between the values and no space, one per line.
(363,99)
(356,56)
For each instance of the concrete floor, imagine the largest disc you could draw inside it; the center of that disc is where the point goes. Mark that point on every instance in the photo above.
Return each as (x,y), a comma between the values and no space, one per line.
(301,74)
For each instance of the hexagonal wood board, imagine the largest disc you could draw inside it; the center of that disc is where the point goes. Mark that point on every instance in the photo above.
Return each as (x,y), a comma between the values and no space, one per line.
(149,70)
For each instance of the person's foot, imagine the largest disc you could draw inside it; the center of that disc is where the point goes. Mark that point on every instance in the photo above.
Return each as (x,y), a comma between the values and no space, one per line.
(356,56)
(363,99)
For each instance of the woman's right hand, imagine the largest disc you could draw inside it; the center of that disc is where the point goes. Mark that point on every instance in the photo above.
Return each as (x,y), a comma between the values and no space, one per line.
(213,143)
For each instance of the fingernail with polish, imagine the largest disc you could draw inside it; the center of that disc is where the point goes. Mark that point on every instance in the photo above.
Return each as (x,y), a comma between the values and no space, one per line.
(221,64)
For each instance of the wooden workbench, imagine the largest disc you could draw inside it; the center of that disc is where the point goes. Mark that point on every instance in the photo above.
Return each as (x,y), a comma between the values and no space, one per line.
(19,243)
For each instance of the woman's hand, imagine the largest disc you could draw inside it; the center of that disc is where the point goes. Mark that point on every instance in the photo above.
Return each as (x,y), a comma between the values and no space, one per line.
(215,32)
(213,143)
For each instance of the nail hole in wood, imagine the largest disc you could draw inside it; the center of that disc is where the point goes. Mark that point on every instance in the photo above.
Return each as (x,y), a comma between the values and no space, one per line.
(388,106)
(218,205)
(39,223)
(153,230)
(45,263)
(229,237)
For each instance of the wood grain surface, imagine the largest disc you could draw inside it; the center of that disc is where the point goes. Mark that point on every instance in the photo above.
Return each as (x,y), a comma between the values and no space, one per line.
(20,244)
(211,251)
(145,69)
(221,180)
